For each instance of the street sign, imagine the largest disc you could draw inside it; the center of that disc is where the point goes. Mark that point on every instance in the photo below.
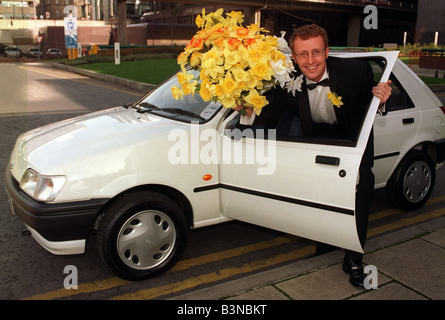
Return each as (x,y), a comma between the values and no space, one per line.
(39,39)
(70,28)
(71,42)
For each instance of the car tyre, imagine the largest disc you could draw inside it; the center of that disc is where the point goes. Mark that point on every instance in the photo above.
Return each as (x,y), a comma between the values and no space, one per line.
(141,235)
(412,183)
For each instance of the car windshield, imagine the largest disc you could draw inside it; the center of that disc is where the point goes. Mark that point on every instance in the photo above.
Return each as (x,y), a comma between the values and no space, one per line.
(189,109)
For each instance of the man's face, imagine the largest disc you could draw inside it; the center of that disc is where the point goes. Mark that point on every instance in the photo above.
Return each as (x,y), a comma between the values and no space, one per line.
(310,55)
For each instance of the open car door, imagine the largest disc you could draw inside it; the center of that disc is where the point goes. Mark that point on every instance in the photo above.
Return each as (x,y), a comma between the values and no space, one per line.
(301,188)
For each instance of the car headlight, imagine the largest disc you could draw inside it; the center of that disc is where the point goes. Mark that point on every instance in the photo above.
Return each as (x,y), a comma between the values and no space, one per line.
(40,187)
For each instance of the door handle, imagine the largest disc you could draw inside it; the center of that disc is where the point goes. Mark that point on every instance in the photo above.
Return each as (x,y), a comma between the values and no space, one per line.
(331,161)
(408,120)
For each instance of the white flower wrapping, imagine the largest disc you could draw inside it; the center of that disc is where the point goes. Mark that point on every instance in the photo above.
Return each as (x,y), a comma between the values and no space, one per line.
(284,70)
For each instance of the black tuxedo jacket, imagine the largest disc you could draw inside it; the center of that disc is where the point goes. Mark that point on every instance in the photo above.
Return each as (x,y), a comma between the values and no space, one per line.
(351,79)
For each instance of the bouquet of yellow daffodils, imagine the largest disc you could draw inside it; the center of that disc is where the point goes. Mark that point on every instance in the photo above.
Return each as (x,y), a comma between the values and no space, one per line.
(236,64)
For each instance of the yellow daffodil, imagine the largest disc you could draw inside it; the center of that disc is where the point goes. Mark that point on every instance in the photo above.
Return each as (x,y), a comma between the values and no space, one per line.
(239,74)
(231,58)
(214,54)
(212,70)
(256,100)
(182,60)
(253,82)
(277,55)
(195,59)
(229,102)
(199,21)
(177,93)
(254,55)
(262,71)
(236,18)
(335,99)
(184,77)
(189,88)
(218,91)
(205,92)
(228,84)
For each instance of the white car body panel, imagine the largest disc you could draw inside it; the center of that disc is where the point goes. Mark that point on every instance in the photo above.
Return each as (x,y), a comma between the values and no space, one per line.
(389,129)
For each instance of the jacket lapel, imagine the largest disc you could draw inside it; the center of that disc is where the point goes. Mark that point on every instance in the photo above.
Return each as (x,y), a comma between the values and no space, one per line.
(334,87)
(305,111)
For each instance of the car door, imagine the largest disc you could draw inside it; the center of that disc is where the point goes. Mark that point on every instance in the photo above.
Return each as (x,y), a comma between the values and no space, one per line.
(298,187)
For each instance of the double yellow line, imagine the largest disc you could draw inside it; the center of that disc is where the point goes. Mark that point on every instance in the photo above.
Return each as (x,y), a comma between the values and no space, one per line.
(227,273)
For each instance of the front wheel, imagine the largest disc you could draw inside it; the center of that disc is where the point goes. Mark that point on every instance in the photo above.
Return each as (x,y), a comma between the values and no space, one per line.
(413,181)
(141,235)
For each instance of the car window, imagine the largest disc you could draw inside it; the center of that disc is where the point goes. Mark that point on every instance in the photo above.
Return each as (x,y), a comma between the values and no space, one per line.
(191,108)
(399,99)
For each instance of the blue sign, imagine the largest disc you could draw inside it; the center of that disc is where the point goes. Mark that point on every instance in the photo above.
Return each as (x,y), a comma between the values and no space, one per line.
(71,42)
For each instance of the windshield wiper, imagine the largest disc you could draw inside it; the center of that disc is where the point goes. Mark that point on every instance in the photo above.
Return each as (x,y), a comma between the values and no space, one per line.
(184,112)
(146,106)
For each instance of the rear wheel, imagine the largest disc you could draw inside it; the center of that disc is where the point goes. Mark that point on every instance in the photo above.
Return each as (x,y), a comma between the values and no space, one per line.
(141,235)
(413,181)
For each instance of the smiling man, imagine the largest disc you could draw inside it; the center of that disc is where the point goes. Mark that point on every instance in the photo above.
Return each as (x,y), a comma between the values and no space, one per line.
(350,79)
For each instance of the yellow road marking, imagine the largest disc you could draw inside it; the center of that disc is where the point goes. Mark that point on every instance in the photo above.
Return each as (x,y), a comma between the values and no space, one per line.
(389,212)
(82,288)
(216,275)
(36,70)
(189,263)
(406,222)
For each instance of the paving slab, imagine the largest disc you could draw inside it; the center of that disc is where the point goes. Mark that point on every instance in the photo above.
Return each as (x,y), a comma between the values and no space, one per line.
(326,284)
(417,264)
(264,293)
(437,237)
(390,291)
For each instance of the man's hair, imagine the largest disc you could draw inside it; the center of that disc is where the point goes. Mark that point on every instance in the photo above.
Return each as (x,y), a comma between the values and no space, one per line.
(309,31)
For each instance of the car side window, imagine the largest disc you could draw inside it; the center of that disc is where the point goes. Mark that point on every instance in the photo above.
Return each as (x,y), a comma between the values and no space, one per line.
(399,99)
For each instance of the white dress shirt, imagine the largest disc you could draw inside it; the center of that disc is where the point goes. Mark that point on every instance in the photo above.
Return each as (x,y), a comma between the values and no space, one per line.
(322,110)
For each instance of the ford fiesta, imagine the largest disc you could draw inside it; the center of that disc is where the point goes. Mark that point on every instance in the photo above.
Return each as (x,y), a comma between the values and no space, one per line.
(143,174)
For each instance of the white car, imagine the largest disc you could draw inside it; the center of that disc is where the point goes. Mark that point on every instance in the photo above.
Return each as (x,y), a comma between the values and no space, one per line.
(34,52)
(12,52)
(146,173)
(54,53)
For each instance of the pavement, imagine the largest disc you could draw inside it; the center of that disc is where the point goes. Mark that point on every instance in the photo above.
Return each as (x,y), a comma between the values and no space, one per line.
(404,265)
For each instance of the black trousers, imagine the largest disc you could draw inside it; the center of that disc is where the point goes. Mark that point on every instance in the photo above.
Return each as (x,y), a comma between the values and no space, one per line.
(362,203)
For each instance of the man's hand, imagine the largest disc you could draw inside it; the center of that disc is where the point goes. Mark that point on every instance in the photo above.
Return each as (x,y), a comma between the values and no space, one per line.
(382,91)
(248,110)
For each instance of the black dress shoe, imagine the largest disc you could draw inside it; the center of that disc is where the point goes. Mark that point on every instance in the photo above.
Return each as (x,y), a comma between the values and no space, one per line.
(355,271)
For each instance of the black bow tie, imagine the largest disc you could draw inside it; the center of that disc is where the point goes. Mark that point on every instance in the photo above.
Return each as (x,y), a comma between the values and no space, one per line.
(324,82)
